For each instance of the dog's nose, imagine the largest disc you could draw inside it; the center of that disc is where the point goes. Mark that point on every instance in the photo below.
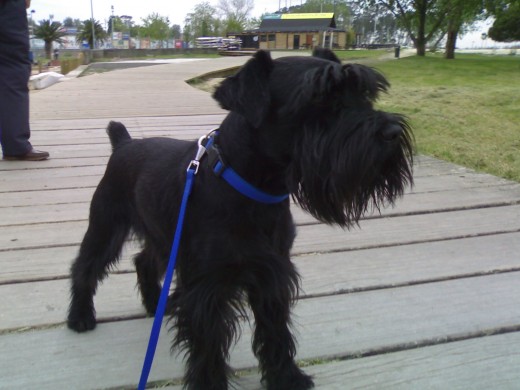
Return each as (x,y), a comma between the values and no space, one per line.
(391,132)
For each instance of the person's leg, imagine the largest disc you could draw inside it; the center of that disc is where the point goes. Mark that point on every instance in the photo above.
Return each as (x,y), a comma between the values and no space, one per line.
(15,70)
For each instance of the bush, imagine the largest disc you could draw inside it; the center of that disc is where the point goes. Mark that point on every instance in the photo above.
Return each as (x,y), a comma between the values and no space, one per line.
(68,64)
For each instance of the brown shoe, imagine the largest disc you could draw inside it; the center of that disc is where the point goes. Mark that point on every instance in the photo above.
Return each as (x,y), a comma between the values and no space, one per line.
(32,155)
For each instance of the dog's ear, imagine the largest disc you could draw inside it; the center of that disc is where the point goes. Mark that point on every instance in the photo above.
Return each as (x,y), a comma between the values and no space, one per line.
(365,81)
(326,54)
(323,82)
(247,92)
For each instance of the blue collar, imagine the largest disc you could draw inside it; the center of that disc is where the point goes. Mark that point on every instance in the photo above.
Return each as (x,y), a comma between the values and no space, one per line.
(227,173)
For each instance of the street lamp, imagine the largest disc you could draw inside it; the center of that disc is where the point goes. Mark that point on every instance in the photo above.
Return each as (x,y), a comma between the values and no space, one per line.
(92,25)
(31,38)
(32,29)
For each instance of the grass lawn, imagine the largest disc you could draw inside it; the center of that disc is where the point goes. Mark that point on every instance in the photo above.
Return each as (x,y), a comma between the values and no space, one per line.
(353,55)
(465,110)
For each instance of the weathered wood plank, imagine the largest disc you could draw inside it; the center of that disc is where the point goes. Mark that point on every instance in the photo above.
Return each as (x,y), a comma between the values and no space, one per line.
(100,137)
(409,229)
(399,265)
(44,303)
(480,364)
(7,177)
(34,180)
(73,204)
(40,236)
(49,197)
(49,263)
(315,238)
(329,326)
(44,183)
(142,121)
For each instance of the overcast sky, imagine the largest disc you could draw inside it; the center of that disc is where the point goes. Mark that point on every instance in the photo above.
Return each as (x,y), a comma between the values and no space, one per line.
(175,10)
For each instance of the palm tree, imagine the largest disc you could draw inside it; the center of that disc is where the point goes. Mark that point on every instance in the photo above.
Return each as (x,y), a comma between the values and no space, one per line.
(85,33)
(49,32)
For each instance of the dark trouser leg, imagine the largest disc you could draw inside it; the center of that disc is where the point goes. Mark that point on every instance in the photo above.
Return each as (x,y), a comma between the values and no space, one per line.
(15,70)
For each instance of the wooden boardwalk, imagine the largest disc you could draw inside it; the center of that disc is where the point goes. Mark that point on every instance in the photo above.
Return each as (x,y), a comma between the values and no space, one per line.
(424,296)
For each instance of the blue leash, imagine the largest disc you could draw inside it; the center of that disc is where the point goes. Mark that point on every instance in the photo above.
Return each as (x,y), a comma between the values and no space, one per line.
(161,306)
(239,184)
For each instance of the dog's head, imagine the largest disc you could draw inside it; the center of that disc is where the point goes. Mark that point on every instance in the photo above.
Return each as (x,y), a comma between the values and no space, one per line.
(317,116)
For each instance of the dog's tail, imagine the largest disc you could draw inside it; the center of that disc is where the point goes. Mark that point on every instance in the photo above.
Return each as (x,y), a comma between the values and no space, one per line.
(118,134)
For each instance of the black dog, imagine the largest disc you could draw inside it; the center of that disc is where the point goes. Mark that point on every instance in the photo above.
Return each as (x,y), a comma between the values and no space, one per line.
(303,126)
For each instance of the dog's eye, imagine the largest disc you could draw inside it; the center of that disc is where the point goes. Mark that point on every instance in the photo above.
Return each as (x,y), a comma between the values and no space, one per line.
(390,133)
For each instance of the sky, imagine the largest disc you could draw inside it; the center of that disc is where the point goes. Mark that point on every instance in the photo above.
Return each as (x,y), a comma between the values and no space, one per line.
(176,10)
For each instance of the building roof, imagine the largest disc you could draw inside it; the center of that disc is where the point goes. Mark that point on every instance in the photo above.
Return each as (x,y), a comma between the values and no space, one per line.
(298,22)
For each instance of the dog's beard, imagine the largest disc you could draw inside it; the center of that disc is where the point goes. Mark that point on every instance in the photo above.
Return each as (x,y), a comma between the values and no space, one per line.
(337,176)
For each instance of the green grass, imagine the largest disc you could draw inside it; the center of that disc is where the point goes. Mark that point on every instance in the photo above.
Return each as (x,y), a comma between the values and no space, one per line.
(465,110)
(349,55)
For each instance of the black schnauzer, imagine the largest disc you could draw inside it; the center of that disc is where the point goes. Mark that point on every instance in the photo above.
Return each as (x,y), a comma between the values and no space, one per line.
(304,126)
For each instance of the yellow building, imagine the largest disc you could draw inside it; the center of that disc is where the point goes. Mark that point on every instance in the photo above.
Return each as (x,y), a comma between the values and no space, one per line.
(299,31)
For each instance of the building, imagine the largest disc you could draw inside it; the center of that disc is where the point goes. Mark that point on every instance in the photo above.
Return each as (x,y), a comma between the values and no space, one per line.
(295,31)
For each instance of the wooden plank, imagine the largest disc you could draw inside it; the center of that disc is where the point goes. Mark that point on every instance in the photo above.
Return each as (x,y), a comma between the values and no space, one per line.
(409,229)
(45,303)
(332,273)
(100,137)
(327,327)
(315,238)
(49,263)
(37,199)
(49,173)
(483,363)
(64,207)
(60,212)
(142,121)
(19,178)
(61,162)
(44,183)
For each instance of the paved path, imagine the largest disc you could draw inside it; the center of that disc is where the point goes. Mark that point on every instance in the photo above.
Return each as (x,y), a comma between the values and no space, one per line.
(425,296)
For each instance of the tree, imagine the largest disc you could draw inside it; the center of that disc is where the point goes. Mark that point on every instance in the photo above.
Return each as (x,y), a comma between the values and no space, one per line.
(375,24)
(175,31)
(236,13)
(506,27)
(422,19)
(116,23)
(201,22)
(460,14)
(85,33)
(156,27)
(253,23)
(69,22)
(49,32)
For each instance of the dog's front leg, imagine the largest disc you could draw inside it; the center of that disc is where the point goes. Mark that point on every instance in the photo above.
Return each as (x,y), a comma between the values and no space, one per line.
(205,321)
(273,342)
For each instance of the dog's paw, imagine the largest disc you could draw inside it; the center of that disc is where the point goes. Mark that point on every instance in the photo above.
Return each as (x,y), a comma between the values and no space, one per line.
(304,382)
(293,379)
(81,324)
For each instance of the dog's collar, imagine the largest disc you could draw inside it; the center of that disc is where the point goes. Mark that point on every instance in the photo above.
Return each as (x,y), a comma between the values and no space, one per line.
(224,171)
